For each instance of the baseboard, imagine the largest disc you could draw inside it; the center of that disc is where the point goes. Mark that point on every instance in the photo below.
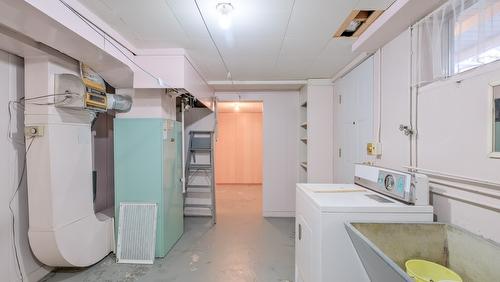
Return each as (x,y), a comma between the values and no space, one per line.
(278,213)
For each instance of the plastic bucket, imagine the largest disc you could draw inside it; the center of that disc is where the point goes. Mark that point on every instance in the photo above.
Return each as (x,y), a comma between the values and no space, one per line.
(426,271)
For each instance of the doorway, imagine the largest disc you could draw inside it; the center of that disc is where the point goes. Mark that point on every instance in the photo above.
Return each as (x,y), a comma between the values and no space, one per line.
(238,158)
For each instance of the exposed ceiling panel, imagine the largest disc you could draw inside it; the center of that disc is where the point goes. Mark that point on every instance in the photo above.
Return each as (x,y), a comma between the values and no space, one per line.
(268,40)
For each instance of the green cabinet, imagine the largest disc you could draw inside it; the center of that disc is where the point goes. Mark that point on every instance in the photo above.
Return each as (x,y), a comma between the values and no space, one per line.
(148,168)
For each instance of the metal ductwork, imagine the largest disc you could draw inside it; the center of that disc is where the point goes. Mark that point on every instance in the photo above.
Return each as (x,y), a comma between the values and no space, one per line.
(119,103)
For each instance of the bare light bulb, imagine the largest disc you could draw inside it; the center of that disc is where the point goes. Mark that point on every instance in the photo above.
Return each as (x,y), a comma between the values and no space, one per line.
(225,21)
(225,10)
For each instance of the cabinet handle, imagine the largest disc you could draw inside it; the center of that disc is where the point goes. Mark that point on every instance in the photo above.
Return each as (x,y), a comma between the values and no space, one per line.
(300,232)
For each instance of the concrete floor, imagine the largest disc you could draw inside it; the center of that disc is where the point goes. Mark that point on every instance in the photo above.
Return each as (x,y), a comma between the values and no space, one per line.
(243,246)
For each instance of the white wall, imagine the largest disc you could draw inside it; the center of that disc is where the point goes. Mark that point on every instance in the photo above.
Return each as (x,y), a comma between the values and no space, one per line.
(452,135)
(453,121)
(394,71)
(11,163)
(281,143)
(149,103)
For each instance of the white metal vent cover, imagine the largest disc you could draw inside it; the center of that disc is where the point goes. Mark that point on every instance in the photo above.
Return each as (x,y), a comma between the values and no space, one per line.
(136,233)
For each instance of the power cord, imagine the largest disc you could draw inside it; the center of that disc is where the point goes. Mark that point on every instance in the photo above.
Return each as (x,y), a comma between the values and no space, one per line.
(67,95)
(21,103)
(23,171)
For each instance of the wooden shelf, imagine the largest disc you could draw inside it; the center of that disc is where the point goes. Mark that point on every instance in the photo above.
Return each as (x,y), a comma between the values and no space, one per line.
(303,165)
(304,125)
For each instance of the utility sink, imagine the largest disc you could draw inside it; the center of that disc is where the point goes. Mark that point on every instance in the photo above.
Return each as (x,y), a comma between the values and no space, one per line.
(385,247)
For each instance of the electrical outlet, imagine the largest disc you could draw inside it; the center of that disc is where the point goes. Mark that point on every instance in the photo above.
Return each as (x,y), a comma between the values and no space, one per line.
(374,149)
(33,131)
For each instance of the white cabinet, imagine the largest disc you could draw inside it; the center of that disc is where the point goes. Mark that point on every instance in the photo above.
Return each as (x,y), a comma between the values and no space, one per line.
(316,131)
(353,120)
(303,249)
(307,258)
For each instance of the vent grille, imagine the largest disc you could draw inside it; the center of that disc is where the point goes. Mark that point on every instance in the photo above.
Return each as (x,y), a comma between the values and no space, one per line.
(136,233)
(357,22)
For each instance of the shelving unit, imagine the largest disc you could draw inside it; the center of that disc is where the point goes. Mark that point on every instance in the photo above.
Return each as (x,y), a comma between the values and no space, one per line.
(303,135)
(304,165)
(316,132)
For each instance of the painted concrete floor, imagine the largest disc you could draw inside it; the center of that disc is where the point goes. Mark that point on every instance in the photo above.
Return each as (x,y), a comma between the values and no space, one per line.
(243,246)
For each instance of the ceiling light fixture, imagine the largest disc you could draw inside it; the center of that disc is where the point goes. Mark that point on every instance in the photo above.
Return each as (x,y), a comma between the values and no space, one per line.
(224,9)
(237,104)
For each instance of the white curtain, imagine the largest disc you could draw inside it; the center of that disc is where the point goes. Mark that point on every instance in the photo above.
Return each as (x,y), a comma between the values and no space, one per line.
(458,36)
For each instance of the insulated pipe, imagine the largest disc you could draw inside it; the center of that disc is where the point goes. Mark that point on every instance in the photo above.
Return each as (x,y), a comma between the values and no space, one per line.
(119,103)
(64,230)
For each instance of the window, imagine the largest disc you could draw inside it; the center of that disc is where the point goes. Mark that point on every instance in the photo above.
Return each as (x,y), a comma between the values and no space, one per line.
(495,125)
(476,37)
(459,36)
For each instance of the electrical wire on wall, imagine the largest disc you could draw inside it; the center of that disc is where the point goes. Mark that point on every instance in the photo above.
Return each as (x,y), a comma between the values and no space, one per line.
(411,136)
(10,135)
(380,97)
(417,88)
(21,103)
(19,184)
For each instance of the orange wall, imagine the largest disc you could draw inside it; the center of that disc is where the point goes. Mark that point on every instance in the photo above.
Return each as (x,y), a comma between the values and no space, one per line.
(239,148)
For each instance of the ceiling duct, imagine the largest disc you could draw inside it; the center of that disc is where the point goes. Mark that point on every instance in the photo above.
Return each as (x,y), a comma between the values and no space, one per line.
(357,22)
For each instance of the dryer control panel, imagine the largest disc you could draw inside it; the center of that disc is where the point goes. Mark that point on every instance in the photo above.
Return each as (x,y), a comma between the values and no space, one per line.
(394,183)
(409,187)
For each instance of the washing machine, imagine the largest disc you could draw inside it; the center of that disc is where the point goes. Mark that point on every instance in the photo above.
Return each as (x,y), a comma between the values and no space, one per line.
(323,249)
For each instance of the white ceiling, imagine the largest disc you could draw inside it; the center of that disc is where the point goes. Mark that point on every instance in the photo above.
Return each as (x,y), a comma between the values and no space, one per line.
(268,39)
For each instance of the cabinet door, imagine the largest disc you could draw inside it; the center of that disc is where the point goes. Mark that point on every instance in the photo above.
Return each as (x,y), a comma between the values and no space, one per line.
(303,250)
(139,167)
(174,217)
(353,119)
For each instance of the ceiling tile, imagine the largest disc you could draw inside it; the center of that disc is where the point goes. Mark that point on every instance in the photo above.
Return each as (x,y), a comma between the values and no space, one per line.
(268,40)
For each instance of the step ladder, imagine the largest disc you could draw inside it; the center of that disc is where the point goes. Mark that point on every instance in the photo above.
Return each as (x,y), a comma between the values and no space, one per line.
(200,178)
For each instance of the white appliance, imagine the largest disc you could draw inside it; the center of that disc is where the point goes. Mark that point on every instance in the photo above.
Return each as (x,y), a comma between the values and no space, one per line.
(323,250)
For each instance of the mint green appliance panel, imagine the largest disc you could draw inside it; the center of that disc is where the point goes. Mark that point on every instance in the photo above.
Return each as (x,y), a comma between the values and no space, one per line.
(139,168)
(174,213)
